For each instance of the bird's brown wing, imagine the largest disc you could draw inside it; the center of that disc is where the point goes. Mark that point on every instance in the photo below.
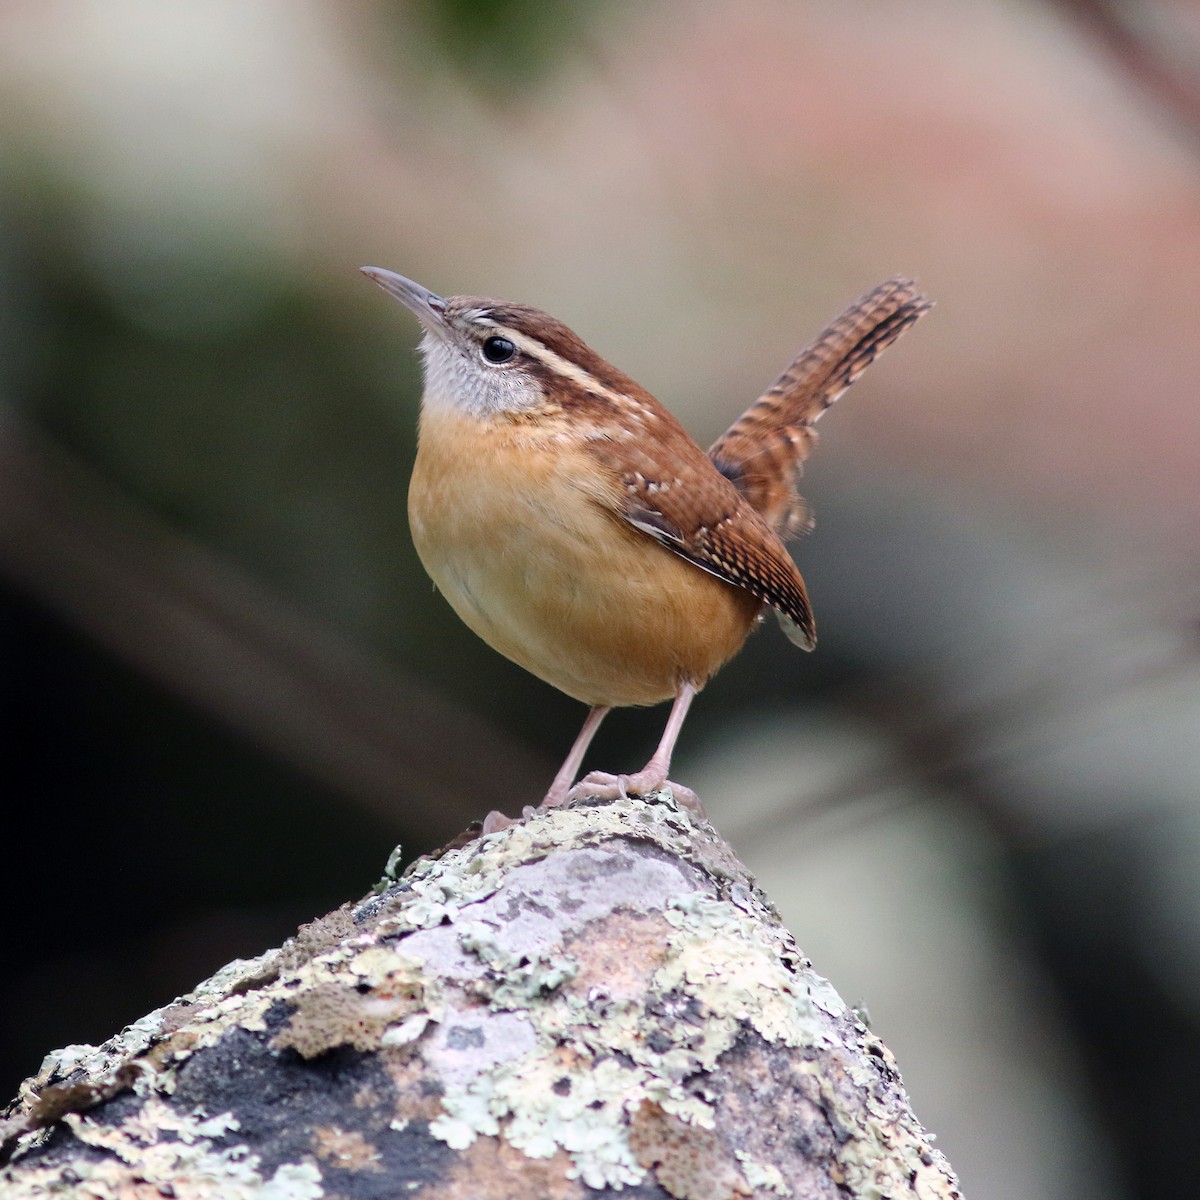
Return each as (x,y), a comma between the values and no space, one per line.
(670,490)
(763,451)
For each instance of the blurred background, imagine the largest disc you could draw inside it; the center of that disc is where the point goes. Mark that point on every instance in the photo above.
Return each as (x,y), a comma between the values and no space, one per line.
(228,688)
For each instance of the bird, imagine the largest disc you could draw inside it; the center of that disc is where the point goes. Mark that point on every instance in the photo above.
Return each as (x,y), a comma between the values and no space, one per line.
(576,527)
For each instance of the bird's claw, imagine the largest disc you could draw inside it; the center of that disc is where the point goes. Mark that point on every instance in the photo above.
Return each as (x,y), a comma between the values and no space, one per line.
(601,785)
(495,821)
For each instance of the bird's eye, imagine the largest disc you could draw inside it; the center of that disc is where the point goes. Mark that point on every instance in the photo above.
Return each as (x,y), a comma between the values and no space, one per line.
(498,350)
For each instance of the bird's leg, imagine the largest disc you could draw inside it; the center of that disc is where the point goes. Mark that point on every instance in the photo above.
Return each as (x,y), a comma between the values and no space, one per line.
(608,787)
(654,774)
(561,787)
(567,772)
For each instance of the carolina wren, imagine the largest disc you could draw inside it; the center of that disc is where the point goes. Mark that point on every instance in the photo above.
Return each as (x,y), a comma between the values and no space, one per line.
(574,525)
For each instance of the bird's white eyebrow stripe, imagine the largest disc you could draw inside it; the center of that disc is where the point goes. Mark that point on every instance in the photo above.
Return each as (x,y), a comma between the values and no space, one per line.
(559,365)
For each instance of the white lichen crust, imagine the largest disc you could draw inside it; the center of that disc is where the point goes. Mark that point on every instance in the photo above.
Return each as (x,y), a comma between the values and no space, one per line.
(594,999)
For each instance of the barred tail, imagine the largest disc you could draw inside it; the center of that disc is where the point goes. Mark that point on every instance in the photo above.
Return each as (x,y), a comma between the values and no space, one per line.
(762,452)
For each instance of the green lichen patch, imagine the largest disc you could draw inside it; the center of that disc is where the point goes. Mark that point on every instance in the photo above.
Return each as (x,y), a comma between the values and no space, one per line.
(160,1150)
(735,964)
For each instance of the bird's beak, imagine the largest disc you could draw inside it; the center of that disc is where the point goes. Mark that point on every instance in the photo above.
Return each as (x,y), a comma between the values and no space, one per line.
(430,308)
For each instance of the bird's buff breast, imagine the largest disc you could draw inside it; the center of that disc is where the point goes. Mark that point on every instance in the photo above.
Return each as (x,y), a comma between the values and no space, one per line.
(517,529)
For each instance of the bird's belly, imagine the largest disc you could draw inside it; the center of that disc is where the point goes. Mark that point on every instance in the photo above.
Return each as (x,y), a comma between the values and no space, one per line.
(548,577)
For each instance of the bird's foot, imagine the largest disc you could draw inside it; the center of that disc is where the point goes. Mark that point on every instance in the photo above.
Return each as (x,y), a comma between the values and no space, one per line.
(686,798)
(601,785)
(495,821)
(557,796)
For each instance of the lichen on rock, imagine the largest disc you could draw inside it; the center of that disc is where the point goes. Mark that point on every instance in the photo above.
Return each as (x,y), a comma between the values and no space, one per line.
(599,989)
